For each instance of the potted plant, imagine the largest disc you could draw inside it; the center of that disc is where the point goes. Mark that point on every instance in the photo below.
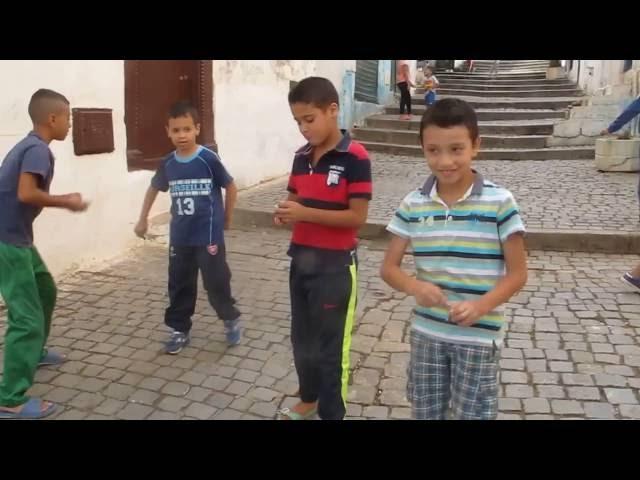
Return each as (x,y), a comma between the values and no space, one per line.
(555,70)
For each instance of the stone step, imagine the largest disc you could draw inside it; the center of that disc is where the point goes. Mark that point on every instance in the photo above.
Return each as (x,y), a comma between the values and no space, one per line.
(574,240)
(499,77)
(489,114)
(507,69)
(511,60)
(558,153)
(553,103)
(514,127)
(536,239)
(497,83)
(498,80)
(503,71)
(513,63)
(506,93)
(483,86)
(511,68)
(503,66)
(410,137)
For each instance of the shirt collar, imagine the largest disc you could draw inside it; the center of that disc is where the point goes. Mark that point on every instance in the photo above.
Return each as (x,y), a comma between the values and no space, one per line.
(342,146)
(429,187)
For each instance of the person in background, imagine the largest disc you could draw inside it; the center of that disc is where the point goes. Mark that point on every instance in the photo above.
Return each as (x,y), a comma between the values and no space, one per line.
(403,81)
(632,277)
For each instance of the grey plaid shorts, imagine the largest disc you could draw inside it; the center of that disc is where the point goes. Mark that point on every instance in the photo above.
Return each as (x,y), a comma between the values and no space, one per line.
(451,380)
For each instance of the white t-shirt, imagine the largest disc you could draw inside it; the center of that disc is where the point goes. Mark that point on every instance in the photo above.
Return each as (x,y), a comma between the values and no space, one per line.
(430,83)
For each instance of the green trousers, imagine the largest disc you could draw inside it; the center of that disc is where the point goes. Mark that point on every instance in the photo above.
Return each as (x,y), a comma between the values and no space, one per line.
(29,293)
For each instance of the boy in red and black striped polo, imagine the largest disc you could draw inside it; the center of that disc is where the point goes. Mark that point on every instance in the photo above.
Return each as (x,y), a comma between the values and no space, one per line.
(329,193)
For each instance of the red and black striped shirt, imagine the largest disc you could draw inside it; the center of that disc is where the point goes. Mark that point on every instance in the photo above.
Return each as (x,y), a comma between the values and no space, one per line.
(340,174)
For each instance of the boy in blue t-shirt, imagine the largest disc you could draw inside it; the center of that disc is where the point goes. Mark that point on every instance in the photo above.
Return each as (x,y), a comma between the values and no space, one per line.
(26,285)
(194,176)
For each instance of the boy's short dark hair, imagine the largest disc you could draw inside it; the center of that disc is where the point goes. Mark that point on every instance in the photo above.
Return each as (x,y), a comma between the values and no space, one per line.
(450,112)
(184,108)
(43,102)
(317,91)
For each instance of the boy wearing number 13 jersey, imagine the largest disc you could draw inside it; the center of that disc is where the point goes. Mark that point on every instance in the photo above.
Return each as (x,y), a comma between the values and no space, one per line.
(194,177)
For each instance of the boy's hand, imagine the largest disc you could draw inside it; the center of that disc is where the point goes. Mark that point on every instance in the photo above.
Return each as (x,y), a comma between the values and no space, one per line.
(141,228)
(75,203)
(276,219)
(428,294)
(466,313)
(604,132)
(289,211)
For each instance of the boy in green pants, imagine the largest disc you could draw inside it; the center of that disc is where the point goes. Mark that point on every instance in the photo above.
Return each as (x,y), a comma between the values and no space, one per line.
(25,283)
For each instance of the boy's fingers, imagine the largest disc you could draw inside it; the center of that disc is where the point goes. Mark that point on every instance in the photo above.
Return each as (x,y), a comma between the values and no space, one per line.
(466,322)
(455,308)
(459,312)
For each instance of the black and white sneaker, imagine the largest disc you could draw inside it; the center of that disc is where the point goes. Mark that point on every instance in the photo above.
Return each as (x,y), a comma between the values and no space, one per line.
(177,341)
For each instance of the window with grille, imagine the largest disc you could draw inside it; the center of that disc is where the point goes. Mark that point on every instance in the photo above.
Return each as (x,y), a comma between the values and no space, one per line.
(366,88)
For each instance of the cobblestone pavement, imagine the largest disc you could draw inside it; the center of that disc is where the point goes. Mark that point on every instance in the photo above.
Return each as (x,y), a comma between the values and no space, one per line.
(572,350)
(553,194)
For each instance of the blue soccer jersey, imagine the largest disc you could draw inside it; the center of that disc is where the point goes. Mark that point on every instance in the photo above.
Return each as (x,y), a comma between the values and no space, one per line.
(197,208)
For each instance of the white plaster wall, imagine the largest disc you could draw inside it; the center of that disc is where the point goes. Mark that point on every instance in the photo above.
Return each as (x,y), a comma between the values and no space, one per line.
(334,70)
(610,90)
(597,76)
(64,239)
(255,132)
(362,110)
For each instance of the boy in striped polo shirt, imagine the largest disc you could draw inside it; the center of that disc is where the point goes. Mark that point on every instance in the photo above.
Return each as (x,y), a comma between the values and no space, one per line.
(468,248)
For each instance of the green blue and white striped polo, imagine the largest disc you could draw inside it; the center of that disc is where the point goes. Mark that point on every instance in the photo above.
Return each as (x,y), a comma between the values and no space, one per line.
(459,249)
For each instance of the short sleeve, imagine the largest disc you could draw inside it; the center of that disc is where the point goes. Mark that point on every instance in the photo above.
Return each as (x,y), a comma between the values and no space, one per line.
(358,175)
(508,218)
(400,223)
(159,180)
(291,185)
(221,176)
(37,160)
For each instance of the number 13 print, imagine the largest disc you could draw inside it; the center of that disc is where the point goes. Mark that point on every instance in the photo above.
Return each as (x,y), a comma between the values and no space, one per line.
(186,206)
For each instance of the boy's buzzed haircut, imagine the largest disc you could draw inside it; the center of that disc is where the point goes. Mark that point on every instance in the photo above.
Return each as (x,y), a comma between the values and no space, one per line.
(43,102)
(317,91)
(184,108)
(450,112)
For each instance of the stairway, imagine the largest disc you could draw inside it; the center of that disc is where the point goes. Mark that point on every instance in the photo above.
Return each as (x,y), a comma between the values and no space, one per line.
(517,109)
(511,66)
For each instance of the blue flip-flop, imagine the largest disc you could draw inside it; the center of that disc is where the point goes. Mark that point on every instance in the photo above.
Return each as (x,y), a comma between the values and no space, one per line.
(51,358)
(31,410)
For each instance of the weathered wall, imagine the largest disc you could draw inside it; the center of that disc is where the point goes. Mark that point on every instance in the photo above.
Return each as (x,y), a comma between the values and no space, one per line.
(65,239)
